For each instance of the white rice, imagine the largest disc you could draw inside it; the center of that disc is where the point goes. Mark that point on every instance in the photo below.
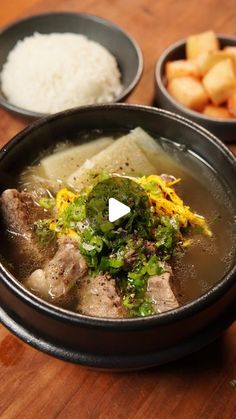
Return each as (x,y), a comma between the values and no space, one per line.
(50,73)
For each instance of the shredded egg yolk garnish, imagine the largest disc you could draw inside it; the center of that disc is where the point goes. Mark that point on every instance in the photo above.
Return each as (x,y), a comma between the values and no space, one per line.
(165,201)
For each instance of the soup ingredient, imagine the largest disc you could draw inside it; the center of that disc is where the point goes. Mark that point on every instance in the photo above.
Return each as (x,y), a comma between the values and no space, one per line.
(48,73)
(60,274)
(220,81)
(70,159)
(160,292)
(200,43)
(98,296)
(188,91)
(20,212)
(123,156)
(206,80)
(134,153)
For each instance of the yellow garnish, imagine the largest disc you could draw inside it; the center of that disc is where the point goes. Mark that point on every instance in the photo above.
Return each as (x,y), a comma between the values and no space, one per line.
(173,182)
(166,202)
(69,232)
(64,198)
(187,242)
(53,225)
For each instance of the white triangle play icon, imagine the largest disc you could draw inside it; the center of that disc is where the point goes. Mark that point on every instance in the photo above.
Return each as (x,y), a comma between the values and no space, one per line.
(117,209)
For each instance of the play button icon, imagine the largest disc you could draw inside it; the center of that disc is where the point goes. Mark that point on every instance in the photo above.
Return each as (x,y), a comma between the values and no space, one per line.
(116,209)
(116,204)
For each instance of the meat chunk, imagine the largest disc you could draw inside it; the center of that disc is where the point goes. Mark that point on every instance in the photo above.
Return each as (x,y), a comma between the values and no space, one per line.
(130,258)
(60,273)
(38,283)
(150,247)
(98,297)
(19,212)
(161,294)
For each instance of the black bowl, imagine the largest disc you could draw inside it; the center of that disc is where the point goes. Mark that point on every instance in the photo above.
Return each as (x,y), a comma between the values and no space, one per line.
(225,129)
(124,48)
(112,343)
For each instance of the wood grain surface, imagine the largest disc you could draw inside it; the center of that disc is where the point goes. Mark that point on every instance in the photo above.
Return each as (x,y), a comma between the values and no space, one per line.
(34,385)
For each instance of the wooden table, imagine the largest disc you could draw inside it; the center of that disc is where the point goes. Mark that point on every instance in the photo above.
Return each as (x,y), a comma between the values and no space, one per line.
(34,385)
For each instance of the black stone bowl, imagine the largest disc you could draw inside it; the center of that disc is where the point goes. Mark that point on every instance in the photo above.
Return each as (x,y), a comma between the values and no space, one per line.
(118,42)
(126,343)
(225,129)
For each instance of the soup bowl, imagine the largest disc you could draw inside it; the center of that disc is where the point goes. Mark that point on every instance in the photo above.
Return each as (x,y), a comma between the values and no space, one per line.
(118,42)
(117,343)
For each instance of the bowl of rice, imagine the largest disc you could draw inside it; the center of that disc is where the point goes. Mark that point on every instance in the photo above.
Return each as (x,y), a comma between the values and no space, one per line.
(57,61)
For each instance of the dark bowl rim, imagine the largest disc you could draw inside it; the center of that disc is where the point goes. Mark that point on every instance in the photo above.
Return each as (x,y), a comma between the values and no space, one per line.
(94,18)
(66,316)
(181,108)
